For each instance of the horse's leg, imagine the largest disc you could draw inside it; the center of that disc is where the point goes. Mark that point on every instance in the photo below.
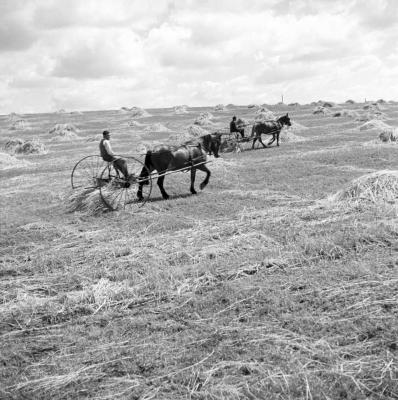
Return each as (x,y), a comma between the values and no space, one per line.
(160,184)
(254,141)
(272,140)
(259,138)
(277,138)
(206,180)
(193,174)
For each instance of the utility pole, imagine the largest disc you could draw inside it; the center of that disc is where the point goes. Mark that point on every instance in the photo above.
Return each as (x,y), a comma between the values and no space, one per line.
(282,98)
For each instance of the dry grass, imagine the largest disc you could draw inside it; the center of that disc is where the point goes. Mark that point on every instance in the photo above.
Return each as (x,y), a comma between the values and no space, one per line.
(251,289)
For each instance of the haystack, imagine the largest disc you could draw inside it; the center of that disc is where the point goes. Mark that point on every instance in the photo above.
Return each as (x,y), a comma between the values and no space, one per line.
(64,132)
(321,110)
(350,101)
(371,106)
(193,132)
(7,161)
(219,107)
(19,146)
(263,114)
(12,117)
(327,104)
(204,119)
(180,109)
(374,124)
(293,104)
(349,113)
(380,186)
(135,124)
(20,125)
(252,106)
(389,135)
(87,201)
(157,127)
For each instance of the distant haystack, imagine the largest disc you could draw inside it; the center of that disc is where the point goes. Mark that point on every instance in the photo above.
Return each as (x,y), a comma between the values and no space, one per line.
(219,107)
(350,101)
(327,104)
(389,135)
(252,106)
(60,111)
(19,146)
(293,104)
(180,109)
(380,186)
(12,117)
(381,101)
(7,161)
(371,106)
(19,125)
(349,113)
(135,112)
(135,124)
(157,127)
(374,124)
(321,110)
(193,132)
(263,114)
(64,132)
(204,119)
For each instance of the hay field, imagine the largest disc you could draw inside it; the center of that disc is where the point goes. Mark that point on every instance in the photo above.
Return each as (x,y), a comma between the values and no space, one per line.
(266,285)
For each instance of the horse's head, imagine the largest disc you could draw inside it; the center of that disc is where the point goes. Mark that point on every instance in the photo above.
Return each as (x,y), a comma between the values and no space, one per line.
(285,120)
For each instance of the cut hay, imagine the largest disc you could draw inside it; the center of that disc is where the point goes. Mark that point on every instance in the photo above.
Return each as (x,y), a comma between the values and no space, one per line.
(371,106)
(389,135)
(180,109)
(294,104)
(253,106)
(374,124)
(95,138)
(204,119)
(87,201)
(287,135)
(219,107)
(350,101)
(380,186)
(7,162)
(135,112)
(328,104)
(19,146)
(193,132)
(263,114)
(62,132)
(12,117)
(321,110)
(135,124)
(19,125)
(157,127)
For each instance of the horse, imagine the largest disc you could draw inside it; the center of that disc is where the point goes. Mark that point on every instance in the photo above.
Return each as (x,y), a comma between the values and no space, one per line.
(165,158)
(210,143)
(270,128)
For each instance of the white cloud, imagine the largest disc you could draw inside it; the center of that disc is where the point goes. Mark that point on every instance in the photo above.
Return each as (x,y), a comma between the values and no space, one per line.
(107,54)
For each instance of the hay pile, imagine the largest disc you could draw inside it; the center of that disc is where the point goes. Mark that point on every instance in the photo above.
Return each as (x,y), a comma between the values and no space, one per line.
(135,124)
(219,107)
(350,101)
(157,127)
(288,135)
(135,112)
(380,186)
(19,125)
(389,135)
(193,132)
(253,106)
(64,132)
(294,104)
(321,110)
(180,109)
(204,119)
(19,146)
(7,162)
(87,201)
(374,124)
(327,104)
(263,114)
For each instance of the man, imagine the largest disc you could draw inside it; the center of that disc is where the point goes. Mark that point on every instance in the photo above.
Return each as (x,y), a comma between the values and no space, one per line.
(234,128)
(108,155)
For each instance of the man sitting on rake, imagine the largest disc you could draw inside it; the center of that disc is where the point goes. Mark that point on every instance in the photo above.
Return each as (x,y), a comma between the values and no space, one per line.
(233,127)
(107,154)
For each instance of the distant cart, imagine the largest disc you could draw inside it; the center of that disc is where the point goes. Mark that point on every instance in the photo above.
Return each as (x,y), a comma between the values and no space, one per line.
(116,192)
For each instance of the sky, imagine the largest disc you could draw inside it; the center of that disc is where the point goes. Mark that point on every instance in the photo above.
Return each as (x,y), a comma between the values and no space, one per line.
(107,54)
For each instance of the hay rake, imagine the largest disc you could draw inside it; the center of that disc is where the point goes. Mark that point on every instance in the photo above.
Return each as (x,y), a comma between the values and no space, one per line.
(117,192)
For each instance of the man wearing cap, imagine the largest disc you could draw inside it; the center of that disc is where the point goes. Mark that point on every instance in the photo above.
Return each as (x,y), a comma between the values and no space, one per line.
(234,128)
(108,155)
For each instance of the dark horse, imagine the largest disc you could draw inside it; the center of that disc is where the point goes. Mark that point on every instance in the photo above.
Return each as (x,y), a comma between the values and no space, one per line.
(164,158)
(270,128)
(210,143)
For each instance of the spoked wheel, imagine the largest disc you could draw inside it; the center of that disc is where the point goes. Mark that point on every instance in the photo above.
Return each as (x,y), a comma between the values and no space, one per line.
(86,172)
(117,192)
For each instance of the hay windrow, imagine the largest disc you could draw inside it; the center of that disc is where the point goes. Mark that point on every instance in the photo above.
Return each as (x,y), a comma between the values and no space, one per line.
(8,161)
(87,201)
(380,186)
